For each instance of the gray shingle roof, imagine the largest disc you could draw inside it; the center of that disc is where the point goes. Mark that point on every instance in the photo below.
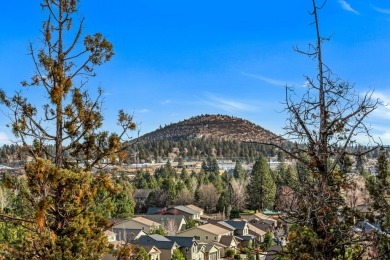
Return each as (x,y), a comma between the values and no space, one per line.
(187,210)
(236,224)
(159,243)
(182,241)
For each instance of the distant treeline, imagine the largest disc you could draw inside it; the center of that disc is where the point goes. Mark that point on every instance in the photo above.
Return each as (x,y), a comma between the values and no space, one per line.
(198,149)
(194,149)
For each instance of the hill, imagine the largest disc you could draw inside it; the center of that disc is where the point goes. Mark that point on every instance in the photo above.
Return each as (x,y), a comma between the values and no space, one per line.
(217,127)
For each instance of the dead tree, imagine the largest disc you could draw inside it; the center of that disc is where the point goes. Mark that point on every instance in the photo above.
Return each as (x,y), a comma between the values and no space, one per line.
(322,126)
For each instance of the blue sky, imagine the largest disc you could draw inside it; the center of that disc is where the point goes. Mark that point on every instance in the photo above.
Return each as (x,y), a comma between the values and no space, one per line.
(176,59)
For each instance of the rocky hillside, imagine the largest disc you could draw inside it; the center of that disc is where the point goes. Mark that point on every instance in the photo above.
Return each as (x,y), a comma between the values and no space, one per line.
(217,127)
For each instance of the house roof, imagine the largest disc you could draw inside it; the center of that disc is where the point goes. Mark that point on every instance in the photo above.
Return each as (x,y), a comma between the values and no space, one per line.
(236,224)
(182,241)
(213,229)
(186,209)
(193,207)
(223,224)
(209,247)
(227,240)
(255,230)
(160,238)
(263,226)
(163,219)
(245,238)
(156,241)
(151,249)
(145,221)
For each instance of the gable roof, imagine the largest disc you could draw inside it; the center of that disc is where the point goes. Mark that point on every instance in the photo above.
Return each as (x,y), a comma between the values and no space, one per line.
(151,249)
(241,224)
(213,229)
(245,238)
(186,209)
(155,240)
(225,225)
(182,241)
(145,221)
(227,240)
(160,238)
(255,230)
(163,219)
(208,247)
(193,207)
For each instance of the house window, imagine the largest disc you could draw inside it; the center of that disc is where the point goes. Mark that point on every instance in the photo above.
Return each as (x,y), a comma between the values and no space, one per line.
(207,237)
(215,238)
(186,250)
(197,237)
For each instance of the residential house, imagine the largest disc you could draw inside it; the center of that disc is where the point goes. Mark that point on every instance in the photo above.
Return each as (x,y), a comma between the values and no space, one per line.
(189,247)
(260,217)
(153,252)
(256,232)
(240,226)
(137,223)
(206,233)
(128,234)
(228,242)
(163,244)
(211,252)
(188,213)
(195,208)
(171,223)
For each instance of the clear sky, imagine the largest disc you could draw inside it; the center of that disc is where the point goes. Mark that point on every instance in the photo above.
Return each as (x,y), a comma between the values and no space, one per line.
(176,59)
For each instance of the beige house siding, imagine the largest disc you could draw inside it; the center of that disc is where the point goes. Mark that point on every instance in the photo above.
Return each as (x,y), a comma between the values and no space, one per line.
(132,224)
(205,235)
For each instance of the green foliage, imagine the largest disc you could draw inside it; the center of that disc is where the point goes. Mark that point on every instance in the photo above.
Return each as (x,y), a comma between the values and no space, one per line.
(261,189)
(159,231)
(303,243)
(123,202)
(267,243)
(70,115)
(379,188)
(129,251)
(190,224)
(239,171)
(230,252)
(177,255)
(237,256)
(62,222)
(234,214)
(196,149)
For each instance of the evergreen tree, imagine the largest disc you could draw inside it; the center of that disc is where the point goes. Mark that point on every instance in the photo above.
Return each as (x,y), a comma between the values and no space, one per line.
(379,188)
(239,171)
(177,255)
(261,189)
(61,221)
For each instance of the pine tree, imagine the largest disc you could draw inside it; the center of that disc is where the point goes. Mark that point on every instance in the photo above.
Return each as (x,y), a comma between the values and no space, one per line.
(261,189)
(61,220)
